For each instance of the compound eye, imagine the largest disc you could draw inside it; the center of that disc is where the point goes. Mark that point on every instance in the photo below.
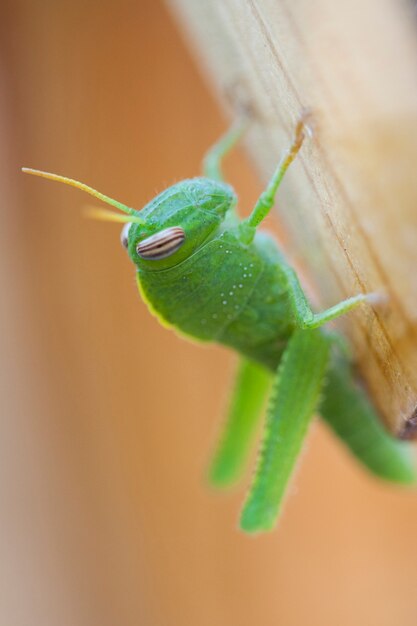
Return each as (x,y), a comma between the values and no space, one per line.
(124,235)
(162,244)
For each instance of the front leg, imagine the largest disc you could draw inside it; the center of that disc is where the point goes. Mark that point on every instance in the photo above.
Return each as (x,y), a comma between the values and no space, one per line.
(295,397)
(213,160)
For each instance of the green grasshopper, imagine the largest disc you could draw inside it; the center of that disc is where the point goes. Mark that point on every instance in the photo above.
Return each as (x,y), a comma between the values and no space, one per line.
(214,277)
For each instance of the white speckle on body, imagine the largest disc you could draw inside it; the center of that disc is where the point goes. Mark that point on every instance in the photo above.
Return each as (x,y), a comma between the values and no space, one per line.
(224,301)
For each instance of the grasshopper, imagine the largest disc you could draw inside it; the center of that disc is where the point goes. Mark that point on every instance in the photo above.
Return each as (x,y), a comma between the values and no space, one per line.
(212,276)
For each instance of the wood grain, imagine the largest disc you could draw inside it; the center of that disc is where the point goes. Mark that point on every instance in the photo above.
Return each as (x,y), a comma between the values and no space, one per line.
(349,204)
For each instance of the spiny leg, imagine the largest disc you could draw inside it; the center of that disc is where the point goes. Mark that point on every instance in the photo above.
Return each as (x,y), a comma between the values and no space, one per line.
(294,398)
(251,386)
(213,159)
(349,413)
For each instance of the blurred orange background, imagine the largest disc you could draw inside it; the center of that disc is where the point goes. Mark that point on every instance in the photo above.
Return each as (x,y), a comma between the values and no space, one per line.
(107,419)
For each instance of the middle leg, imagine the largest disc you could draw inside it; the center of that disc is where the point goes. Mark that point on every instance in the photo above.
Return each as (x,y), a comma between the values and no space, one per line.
(303,314)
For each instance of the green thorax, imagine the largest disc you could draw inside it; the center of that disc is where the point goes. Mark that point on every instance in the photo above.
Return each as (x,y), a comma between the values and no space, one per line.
(225,292)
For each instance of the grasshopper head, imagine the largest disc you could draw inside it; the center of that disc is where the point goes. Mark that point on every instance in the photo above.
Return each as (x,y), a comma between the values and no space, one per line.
(172,226)
(177,222)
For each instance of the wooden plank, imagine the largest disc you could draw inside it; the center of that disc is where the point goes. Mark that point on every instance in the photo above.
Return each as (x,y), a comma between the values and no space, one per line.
(349,203)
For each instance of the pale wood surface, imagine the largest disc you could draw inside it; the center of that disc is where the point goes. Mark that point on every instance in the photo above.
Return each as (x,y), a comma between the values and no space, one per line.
(350,204)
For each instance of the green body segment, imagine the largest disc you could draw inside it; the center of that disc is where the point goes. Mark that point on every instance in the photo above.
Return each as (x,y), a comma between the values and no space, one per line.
(228,293)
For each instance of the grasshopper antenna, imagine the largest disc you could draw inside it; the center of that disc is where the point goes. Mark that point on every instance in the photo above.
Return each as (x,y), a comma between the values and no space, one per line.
(83,187)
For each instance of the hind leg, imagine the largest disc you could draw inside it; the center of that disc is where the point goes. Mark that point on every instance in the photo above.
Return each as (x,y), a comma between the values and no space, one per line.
(294,398)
